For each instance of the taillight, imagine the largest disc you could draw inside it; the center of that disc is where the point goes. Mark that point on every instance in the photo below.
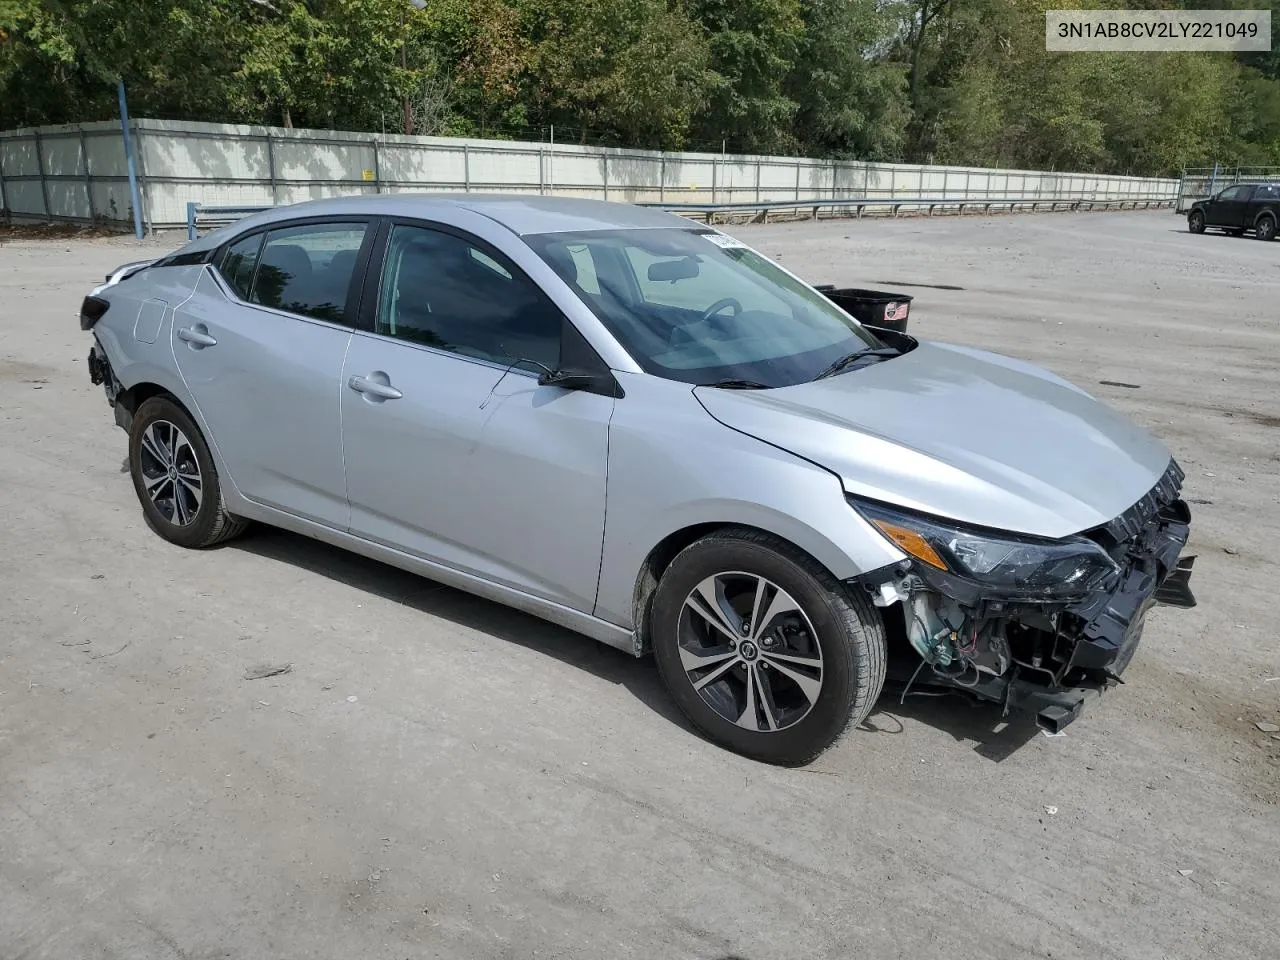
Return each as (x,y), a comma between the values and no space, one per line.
(91,311)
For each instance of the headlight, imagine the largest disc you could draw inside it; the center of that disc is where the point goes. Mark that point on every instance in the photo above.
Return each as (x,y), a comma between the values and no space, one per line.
(1019,567)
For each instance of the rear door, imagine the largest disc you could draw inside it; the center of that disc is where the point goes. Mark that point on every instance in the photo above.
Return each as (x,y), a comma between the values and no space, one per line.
(454,452)
(260,347)
(1266,196)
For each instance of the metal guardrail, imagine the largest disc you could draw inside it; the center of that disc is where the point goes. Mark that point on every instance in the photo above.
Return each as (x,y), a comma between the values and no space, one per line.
(199,214)
(896,204)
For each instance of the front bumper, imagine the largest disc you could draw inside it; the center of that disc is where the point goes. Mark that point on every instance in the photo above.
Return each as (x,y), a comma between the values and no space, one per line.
(1049,659)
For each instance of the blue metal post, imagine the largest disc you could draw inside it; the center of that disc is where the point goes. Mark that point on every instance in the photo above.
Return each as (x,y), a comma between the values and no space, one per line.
(192,207)
(134,198)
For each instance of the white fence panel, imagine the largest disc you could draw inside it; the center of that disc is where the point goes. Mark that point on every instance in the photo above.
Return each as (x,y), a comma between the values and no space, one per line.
(80,173)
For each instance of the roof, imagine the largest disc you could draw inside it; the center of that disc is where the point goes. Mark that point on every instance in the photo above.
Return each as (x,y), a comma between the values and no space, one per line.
(521,214)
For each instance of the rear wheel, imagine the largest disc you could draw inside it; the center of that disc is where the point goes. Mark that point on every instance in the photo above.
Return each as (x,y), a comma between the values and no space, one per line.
(1195,221)
(175,479)
(762,649)
(1265,229)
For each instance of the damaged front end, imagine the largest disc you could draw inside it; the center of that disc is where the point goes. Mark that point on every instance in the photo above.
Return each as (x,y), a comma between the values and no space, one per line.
(1036,625)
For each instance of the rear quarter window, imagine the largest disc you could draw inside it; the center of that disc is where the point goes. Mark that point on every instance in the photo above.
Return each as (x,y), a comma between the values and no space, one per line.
(238,263)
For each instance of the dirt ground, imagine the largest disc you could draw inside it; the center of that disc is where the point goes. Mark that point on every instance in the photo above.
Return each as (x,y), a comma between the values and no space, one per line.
(442,777)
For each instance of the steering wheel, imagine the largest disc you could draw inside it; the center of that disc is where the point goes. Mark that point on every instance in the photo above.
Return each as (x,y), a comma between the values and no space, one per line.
(719,305)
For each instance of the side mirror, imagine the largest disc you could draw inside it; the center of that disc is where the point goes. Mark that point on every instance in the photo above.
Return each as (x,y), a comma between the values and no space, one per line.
(601,383)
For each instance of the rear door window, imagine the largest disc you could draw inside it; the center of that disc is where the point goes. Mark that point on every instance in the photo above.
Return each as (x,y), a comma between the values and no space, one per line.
(308,269)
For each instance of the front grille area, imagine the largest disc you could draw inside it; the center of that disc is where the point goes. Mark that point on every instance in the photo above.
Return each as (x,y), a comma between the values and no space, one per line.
(1134,520)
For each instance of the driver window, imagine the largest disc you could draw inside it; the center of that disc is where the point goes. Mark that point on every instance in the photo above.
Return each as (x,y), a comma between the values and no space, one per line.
(441,291)
(1232,193)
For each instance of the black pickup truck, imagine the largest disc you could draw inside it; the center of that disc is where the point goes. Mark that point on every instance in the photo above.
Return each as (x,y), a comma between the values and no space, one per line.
(1241,207)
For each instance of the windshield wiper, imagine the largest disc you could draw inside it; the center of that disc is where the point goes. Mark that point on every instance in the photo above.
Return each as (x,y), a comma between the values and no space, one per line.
(732,384)
(849,359)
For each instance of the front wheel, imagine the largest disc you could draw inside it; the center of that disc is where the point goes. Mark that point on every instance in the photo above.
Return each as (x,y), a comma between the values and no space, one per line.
(1265,228)
(762,649)
(1195,221)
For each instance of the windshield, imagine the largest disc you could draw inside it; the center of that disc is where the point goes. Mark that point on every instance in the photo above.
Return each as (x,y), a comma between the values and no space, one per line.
(698,306)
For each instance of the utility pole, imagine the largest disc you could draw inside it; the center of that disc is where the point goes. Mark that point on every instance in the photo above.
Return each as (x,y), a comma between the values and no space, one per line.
(135,199)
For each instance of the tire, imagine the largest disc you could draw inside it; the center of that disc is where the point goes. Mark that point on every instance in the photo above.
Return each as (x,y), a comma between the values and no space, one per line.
(1195,221)
(1265,228)
(783,705)
(187,507)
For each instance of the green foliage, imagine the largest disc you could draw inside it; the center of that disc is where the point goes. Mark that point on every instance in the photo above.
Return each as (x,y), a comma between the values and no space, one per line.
(962,81)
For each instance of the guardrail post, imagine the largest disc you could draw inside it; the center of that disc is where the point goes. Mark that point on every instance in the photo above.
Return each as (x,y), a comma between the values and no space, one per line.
(605,158)
(757,179)
(44,186)
(797,180)
(271,168)
(377,171)
(662,177)
(88,180)
(715,165)
(466,167)
(4,206)
(192,207)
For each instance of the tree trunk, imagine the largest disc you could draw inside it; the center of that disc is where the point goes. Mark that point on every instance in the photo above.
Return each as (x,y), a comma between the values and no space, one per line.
(287,117)
(404,65)
(916,47)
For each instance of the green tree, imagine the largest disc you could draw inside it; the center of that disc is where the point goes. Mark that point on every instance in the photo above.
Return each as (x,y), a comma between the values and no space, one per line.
(636,69)
(753,45)
(851,100)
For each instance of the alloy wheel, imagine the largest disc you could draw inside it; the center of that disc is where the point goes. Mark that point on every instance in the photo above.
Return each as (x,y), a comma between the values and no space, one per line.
(750,651)
(171,472)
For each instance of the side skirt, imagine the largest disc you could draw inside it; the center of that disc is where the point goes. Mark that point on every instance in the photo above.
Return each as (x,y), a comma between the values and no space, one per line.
(596,629)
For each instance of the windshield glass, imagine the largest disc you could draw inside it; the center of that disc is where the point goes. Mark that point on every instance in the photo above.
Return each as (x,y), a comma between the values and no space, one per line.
(698,306)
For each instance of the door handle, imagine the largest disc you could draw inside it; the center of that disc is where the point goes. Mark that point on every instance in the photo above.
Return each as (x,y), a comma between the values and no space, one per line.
(197,337)
(372,388)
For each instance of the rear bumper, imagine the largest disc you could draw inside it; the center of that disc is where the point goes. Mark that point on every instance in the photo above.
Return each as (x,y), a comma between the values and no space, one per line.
(101,374)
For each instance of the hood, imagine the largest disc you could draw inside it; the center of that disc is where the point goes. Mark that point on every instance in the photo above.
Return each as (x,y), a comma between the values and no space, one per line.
(959,433)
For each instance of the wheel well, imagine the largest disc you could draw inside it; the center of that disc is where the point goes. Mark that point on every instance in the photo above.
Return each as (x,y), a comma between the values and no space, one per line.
(135,396)
(660,557)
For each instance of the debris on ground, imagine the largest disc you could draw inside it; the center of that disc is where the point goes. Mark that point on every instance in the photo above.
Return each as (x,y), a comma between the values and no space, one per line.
(1267,727)
(1051,811)
(263,670)
(1121,383)
(1186,873)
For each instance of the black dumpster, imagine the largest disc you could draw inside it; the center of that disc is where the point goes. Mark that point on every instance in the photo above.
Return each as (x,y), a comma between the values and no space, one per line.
(875,308)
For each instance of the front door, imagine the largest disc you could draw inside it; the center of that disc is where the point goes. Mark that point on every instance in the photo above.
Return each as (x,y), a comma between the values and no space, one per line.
(260,348)
(454,455)
(1228,209)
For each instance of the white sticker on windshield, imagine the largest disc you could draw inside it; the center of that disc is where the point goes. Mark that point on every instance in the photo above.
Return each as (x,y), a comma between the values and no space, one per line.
(724,240)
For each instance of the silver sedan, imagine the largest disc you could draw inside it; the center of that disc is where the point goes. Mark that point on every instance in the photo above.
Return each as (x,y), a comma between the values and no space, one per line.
(641,429)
